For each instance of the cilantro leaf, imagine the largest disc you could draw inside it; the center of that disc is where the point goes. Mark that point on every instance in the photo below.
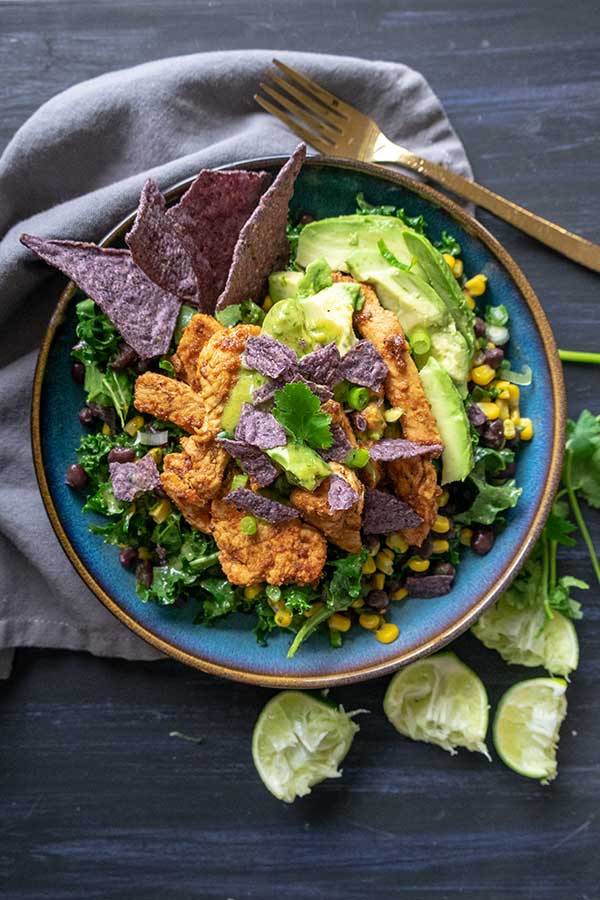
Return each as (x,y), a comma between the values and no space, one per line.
(299,411)
(560,600)
(248,312)
(583,457)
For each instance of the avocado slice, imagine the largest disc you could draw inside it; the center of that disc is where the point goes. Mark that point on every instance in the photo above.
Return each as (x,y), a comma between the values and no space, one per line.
(328,315)
(450,349)
(302,466)
(452,421)
(243,389)
(316,278)
(284,284)
(438,274)
(286,322)
(335,239)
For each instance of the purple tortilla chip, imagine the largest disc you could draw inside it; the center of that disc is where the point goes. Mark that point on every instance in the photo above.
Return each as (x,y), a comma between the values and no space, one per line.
(269,510)
(261,429)
(211,215)
(322,365)
(269,357)
(429,585)
(266,392)
(364,365)
(252,460)
(158,249)
(262,244)
(144,314)
(358,421)
(132,478)
(322,392)
(340,447)
(400,448)
(385,513)
(341,495)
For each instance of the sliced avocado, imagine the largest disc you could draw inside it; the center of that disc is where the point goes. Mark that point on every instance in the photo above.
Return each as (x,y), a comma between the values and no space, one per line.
(452,421)
(441,279)
(242,392)
(328,315)
(284,284)
(302,466)
(335,239)
(450,349)
(412,299)
(286,322)
(316,278)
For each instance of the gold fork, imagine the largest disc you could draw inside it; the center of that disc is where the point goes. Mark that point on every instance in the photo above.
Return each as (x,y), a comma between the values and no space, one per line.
(335,128)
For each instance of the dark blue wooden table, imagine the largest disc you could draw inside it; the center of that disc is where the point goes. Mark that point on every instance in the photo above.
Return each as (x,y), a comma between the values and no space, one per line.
(96,799)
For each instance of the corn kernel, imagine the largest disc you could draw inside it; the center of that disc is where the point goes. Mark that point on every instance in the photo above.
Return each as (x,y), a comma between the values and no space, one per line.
(369,566)
(450,261)
(313,609)
(283,618)
(252,591)
(400,594)
(133,426)
(161,511)
(443,498)
(370,621)
(378,581)
(384,563)
(504,409)
(106,428)
(358,603)
(477,285)
(440,546)
(509,429)
(515,416)
(469,300)
(502,388)
(490,409)
(514,395)
(458,268)
(374,550)
(417,564)
(267,303)
(144,553)
(396,542)
(526,427)
(157,455)
(338,622)
(388,633)
(465,537)
(483,375)
(441,524)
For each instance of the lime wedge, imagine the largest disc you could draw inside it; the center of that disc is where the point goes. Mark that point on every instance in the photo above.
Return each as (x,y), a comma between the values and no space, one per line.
(441,701)
(527,726)
(299,741)
(523,637)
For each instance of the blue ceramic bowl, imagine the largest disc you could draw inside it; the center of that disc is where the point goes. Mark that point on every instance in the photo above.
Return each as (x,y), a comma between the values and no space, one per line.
(324,188)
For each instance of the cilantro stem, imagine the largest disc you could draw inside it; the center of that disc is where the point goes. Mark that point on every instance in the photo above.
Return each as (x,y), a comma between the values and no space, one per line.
(545,567)
(553,549)
(307,629)
(579,517)
(579,356)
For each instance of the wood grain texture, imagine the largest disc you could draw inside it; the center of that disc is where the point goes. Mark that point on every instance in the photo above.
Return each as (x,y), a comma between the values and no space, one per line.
(96,800)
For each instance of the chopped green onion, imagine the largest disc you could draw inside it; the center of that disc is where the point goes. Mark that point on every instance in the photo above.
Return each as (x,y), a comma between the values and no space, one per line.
(357,458)
(335,638)
(248,525)
(393,414)
(357,397)
(523,378)
(239,481)
(496,315)
(273,592)
(420,341)
(579,356)
(497,334)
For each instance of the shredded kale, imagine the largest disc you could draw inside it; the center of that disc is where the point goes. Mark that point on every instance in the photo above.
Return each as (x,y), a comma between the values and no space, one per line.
(248,313)
(98,338)
(417,223)
(448,245)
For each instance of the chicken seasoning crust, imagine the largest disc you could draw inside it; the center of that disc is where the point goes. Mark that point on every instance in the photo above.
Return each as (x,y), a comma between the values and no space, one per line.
(306,445)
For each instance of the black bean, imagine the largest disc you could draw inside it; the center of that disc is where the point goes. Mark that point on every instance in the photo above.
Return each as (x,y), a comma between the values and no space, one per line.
(142,365)
(106,414)
(78,372)
(477,417)
(493,357)
(144,572)
(76,477)
(479,326)
(180,601)
(378,600)
(482,540)
(513,444)
(123,358)
(127,557)
(492,435)
(443,568)
(371,542)
(508,472)
(426,548)
(306,219)
(121,455)
(86,416)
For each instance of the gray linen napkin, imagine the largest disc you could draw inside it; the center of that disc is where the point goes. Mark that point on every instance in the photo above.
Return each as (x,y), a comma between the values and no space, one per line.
(73,170)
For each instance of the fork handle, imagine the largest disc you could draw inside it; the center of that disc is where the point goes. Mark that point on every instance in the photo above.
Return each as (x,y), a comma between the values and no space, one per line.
(571,245)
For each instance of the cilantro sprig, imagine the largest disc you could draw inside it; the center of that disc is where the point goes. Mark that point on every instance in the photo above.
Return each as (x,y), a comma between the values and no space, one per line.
(299,411)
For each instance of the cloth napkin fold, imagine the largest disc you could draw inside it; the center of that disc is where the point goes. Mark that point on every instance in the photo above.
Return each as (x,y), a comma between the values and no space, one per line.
(74,169)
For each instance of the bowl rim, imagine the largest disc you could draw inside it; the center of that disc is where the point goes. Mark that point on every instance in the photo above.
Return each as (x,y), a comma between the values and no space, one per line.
(445,635)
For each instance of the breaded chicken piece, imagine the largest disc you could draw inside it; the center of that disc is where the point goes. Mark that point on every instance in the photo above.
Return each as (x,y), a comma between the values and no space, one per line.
(288,553)
(217,371)
(341,527)
(192,478)
(339,417)
(196,334)
(166,398)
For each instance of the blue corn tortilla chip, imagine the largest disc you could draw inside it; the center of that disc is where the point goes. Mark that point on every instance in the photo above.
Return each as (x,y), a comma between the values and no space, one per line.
(427,586)
(211,215)
(269,357)
(322,365)
(400,448)
(341,495)
(269,510)
(261,429)
(143,313)
(340,447)
(158,247)
(321,391)
(262,245)
(385,513)
(266,392)
(364,365)
(132,478)
(252,460)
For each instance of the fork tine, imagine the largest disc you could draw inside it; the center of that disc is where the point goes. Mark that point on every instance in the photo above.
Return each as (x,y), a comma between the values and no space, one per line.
(329,100)
(332,119)
(302,114)
(307,136)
